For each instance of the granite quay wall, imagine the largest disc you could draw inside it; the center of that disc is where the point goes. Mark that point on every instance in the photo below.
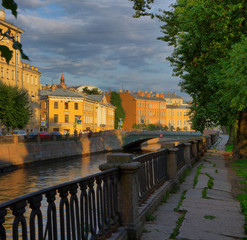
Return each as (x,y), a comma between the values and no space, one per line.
(19,153)
(113,204)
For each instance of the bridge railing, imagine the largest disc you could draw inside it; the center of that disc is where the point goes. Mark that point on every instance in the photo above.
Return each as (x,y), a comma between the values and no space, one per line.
(152,173)
(82,209)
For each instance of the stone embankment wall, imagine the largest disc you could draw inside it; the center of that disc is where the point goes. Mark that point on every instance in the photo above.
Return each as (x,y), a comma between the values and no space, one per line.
(19,154)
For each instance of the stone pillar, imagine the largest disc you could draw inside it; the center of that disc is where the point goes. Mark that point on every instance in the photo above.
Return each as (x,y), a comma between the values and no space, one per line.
(15,138)
(187,154)
(172,163)
(194,149)
(127,191)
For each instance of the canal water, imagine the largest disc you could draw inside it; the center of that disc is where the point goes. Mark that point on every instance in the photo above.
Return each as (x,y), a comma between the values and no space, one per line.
(46,174)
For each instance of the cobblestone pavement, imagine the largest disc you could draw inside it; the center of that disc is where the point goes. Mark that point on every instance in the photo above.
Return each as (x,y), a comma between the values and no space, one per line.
(208,211)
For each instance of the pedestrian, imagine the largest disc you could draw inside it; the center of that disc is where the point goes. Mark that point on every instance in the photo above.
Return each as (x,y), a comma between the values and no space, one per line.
(75,133)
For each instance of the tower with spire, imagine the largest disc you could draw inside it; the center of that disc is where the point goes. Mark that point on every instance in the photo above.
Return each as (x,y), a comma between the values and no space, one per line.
(62,80)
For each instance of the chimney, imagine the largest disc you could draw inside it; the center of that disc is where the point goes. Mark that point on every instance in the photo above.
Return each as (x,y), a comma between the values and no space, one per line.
(2,14)
(162,95)
(157,95)
(128,91)
(53,87)
(148,95)
(62,80)
(142,94)
(174,93)
(146,92)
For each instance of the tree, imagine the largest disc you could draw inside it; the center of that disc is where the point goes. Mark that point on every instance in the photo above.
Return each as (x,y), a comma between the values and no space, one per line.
(203,32)
(4,50)
(14,107)
(94,91)
(119,112)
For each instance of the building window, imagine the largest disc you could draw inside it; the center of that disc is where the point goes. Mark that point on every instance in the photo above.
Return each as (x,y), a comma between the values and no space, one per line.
(45,105)
(55,118)
(55,105)
(76,106)
(177,122)
(66,105)
(31,79)
(2,73)
(66,118)
(13,75)
(36,81)
(173,114)
(181,114)
(7,73)
(27,78)
(177,114)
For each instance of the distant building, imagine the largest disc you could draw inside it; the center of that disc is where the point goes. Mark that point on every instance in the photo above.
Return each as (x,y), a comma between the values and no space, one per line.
(65,110)
(153,108)
(142,108)
(19,74)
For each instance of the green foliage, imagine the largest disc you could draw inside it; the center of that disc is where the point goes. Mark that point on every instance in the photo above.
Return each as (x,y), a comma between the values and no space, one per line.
(229,148)
(198,172)
(165,197)
(241,168)
(5,51)
(14,107)
(210,217)
(149,127)
(182,197)
(204,192)
(178,225)
(119,112)
(94,91)
(150,217)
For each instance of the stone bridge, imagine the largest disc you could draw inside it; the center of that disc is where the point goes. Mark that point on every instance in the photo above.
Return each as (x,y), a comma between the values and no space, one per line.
(135,138)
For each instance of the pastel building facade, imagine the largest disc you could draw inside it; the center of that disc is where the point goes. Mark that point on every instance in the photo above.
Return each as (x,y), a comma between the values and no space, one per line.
(20,74)
(153,108)
(65,110)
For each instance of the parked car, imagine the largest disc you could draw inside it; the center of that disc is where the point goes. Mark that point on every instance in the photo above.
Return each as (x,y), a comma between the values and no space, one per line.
(57,134)
(20,132)
(32,135)
(44,135)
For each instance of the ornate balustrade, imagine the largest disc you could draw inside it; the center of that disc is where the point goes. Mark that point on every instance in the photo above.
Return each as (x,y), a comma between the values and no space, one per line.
(82,209)
(152,173)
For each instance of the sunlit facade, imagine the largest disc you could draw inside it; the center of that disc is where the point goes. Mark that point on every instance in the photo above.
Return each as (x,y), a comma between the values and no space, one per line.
(20,74)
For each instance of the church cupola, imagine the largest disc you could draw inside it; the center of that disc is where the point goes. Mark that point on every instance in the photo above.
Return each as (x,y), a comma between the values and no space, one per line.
(62,80)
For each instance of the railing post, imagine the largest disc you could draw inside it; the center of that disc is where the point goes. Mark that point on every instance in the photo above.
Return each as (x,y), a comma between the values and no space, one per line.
(187,154)
(127,190)
(15,138)
(194,149)
(172,163)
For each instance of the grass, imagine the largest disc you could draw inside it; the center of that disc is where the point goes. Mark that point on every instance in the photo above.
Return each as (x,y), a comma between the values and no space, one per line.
(214,165)
(204,192)
(198,172)
(181,201)
(241,169)
(145,230)
(210,217)
(186,173)
(178,225)
(150,217)
(175,189)
(165,197)
(210,181)
(216,170)
(229,148)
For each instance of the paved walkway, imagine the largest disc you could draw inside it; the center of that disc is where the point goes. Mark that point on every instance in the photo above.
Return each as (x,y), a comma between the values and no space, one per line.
(217,217)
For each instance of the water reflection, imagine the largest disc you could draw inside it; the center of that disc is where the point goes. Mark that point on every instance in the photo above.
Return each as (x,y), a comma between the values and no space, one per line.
(36,177)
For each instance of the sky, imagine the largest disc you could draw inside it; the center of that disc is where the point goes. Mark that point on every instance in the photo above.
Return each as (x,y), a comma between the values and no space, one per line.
(96,42)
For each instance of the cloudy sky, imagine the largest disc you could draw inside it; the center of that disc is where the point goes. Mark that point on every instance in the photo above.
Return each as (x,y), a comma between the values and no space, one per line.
(95,42)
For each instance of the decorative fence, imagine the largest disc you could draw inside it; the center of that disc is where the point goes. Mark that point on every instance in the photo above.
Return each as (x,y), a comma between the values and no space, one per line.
(82,209)
(90,207)
(152,173)
(180,156)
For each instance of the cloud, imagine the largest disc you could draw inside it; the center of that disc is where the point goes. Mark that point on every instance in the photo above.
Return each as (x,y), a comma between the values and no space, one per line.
(95,41)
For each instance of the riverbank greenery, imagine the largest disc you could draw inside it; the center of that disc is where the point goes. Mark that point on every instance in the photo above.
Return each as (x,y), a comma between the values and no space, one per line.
(209,56)
(241,169)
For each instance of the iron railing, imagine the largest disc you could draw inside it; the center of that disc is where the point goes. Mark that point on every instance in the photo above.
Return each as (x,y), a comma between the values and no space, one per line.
(152,173)
(180,156)
(191,151)
(86,208)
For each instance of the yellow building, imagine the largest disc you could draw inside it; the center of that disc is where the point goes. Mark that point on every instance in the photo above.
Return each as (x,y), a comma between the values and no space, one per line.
(17,73)
(65,110)
(178,117)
